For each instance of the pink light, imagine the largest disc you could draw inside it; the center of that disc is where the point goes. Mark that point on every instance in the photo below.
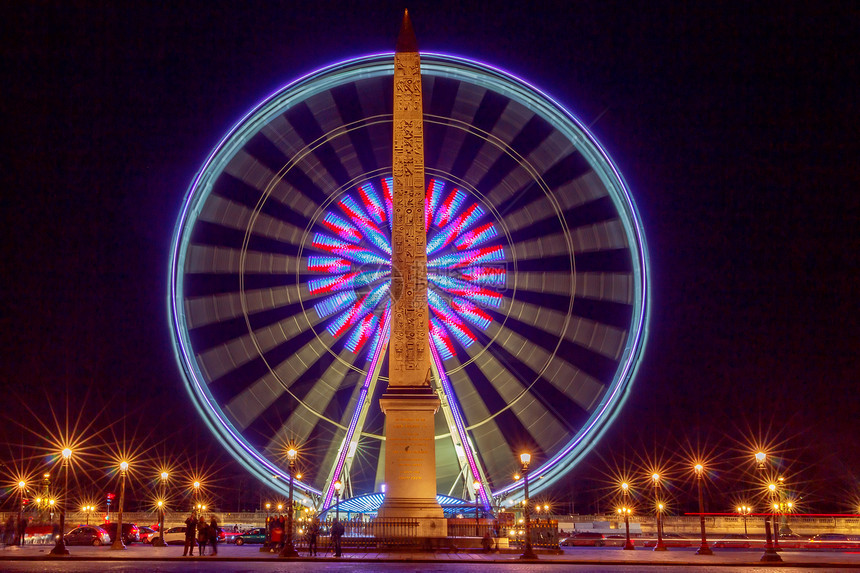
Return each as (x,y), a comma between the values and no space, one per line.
(450,232)
(485,275)
(431,200)
(341,228)
(327,264)
(362,333)
(449,207)
(476,236)
(372,203)
(387,191)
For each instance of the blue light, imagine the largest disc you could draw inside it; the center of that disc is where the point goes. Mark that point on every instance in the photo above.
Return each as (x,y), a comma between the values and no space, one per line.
(334,303)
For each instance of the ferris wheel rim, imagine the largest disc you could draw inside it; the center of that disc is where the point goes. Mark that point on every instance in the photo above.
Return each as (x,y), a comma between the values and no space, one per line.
(211,411)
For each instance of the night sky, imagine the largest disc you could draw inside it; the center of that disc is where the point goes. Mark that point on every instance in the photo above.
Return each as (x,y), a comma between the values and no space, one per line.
(734,124)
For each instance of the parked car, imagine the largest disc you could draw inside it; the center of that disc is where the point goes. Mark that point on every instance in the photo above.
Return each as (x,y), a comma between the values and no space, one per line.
(733,540)
(173,536)
(146,534)
(585,539)
(130,532)
(87,535)
(256,535)
(671,540)
(230,536)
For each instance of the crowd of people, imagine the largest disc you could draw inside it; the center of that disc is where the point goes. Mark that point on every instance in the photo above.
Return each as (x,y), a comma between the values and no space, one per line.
(200,533)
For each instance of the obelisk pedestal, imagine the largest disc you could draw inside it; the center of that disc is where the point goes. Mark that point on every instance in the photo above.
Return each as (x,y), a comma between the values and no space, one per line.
(409,403)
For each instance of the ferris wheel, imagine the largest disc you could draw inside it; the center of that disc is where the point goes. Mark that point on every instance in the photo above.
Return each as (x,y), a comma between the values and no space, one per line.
(280,273)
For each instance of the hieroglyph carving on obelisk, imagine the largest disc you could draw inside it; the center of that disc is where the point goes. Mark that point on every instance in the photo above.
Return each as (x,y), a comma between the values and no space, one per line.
(409,402)
(408,352)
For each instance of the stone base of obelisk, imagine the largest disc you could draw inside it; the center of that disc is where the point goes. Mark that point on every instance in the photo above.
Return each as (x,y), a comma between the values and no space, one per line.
(410,505)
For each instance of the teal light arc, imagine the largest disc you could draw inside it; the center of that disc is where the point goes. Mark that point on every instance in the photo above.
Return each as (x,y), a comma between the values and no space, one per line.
(440,65)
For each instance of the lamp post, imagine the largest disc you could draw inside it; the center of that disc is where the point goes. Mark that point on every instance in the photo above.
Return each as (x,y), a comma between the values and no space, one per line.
(289,550)
(770,555)
(22,487)
(529,552)
(703,548)
(744,511)
(476,484)
(782,525)
(159,541)
(628,544)
(117,542)
(337,486)
(661,546)
(196,486)
(267,539)
(60,547)
(774,509)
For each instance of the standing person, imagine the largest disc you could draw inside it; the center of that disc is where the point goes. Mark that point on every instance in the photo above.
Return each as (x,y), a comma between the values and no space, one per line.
(312,532)
(276,535)
(22,530)
(213,535)
(282,523)
(9,532)
(202,536)
(190,535)
(487,542)
(336,533)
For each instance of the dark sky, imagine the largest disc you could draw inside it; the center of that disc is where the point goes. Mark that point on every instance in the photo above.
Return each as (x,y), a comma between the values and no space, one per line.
(735,125)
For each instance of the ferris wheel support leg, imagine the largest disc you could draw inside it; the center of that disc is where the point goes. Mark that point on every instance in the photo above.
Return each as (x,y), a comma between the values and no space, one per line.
(467,459)
(346,452)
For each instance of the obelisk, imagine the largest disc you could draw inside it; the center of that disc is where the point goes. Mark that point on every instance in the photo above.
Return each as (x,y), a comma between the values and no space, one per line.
(409,402)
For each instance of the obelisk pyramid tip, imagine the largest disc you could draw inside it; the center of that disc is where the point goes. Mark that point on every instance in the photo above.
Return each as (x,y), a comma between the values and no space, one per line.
(406,41)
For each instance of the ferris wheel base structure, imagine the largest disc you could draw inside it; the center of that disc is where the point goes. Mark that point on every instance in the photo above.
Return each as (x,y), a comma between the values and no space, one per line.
(538,281)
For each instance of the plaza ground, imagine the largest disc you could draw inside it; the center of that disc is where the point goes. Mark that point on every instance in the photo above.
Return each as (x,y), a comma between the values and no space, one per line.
(139,557)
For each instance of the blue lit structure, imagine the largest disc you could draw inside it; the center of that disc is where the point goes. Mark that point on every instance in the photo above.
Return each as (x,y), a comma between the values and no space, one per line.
(278,295)
(368,505)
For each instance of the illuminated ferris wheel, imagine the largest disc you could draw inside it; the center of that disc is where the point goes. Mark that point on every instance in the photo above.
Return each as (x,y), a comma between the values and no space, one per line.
(281,268)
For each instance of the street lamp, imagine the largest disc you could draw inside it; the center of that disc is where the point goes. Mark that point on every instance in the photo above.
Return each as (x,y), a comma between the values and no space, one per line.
(60,547)
(628,544)
(774,508)
(337,486)
(661,546)
(770,555)
(529,553)
(744,511)
(267,541)
(117,542)
(289,550)
(22,488)
(196,486)
(159,541)
(703,548)
(476,484)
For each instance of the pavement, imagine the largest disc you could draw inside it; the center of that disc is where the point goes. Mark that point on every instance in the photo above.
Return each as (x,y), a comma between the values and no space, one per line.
(604,556)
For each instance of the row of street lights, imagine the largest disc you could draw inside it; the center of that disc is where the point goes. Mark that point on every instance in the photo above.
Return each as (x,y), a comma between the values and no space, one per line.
(771,546)
(59,548)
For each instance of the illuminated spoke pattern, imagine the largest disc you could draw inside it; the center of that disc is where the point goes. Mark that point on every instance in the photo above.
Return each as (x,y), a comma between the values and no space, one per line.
(355,264)
(281,270)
